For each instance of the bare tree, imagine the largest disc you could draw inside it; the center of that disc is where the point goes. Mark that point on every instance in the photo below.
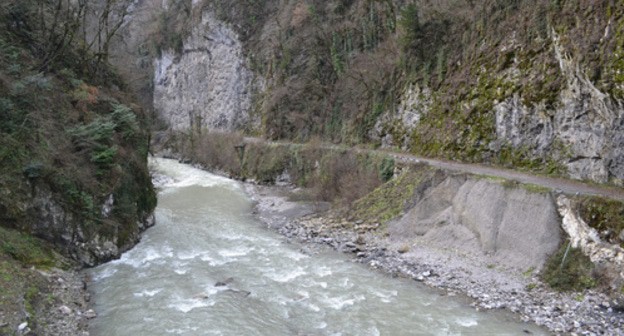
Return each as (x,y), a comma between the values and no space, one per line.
(58,22)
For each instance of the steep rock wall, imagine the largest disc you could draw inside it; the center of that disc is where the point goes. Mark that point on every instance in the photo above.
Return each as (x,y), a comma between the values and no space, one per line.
(89,241)
(586,123)
(583,130)
(207,84)
(520,85)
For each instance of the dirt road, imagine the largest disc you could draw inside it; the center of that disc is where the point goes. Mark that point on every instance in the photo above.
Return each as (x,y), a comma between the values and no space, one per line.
(566,186)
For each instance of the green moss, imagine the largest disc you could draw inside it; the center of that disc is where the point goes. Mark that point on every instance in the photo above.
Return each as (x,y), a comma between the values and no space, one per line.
(462,128)
(24,292)
(389,200)
(522,158)
(22,288)
(27,249)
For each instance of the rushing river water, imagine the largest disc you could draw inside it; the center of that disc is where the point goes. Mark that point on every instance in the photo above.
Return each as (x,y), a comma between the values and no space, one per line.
(206,233)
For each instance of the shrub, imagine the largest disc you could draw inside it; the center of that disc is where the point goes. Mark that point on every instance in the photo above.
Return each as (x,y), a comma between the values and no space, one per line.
(125,120)
(386,169)
(344,176)
(104,157)
(605,215)
(98,132)
(266,162)
(217,150)
(571,271)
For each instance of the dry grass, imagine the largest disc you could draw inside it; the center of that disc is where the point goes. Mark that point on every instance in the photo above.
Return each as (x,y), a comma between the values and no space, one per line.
(218,150)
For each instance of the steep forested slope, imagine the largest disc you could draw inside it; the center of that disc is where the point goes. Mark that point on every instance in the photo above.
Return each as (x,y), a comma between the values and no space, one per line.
(73,146)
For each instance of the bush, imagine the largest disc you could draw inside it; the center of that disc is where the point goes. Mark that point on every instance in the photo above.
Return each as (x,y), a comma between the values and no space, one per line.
(125,120)
(96,133)
(104,157)
(266,162)
(344,177)
(217,150)
(386,169)
(604,215)
(574,272)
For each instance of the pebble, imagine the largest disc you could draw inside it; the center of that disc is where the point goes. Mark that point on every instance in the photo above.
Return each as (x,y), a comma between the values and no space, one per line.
(65,310)
(90,314)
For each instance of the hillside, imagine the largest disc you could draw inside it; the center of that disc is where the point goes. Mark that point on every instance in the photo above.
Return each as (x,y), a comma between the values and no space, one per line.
(73,145)
(534,85)
(74,186)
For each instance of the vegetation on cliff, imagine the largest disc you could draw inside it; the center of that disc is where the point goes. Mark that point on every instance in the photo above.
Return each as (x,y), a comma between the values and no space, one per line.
(493,81)
(71,140)
(74,185)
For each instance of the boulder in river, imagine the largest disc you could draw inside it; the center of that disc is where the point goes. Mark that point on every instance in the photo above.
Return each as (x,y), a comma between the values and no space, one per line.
(224,282)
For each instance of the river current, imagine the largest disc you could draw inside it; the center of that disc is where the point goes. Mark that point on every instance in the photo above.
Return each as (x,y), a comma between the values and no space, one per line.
(206,235)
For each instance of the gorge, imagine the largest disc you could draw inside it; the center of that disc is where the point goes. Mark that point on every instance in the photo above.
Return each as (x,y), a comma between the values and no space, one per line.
(474,147)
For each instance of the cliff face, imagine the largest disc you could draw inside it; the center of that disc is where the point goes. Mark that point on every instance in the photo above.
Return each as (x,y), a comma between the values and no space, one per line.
(534,85)
(207,84)
(586,123)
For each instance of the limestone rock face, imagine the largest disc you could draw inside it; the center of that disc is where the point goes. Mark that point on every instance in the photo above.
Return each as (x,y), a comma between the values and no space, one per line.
(586,125)
(395,127)
(208,85)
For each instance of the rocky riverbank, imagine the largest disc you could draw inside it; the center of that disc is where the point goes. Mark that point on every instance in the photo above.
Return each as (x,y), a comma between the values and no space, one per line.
(51,302)
(489,286)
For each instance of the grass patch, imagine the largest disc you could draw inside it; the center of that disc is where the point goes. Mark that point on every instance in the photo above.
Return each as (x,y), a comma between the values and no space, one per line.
(534,188)
(528,272)
(26,249)
(389,200)
(574,272)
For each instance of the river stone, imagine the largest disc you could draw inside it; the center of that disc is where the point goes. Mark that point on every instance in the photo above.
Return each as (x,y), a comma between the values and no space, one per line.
(65,310)
(90,314)
(224,282)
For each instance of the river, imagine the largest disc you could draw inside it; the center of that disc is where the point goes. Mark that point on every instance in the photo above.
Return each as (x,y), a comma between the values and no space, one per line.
(206,234)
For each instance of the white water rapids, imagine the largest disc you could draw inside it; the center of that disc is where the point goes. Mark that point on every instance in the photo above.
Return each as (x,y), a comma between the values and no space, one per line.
(206,233)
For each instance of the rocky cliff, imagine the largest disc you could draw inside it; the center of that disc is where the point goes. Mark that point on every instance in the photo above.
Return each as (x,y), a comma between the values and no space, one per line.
(534,85)
(206,85)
